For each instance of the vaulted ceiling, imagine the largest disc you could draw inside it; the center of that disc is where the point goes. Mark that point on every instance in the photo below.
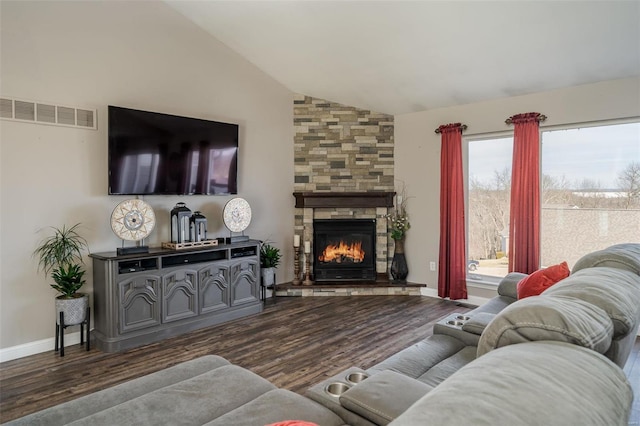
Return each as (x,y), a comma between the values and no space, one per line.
(405,56)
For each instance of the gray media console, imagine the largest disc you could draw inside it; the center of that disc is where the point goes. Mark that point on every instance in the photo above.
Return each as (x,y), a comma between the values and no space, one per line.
(143,298)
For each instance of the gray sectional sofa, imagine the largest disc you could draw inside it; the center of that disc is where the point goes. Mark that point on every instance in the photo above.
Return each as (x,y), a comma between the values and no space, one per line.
(552,359)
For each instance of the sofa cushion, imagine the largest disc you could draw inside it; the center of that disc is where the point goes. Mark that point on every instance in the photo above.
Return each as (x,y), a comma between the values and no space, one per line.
(620,256)
(88,405)
(198,400)
(442,370)
(564,319)
(614,290)
(542,279)
(415,360)
(541,383)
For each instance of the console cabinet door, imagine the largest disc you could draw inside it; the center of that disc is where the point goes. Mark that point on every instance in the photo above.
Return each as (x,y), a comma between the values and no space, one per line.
(244,281)
(213,283)
(139,302)
(179,295)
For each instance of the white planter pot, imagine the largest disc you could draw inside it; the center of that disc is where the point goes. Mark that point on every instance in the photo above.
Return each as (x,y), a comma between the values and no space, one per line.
(268,276)
(74,309)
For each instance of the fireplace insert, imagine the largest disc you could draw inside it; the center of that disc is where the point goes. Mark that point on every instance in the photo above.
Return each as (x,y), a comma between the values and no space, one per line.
(344,250)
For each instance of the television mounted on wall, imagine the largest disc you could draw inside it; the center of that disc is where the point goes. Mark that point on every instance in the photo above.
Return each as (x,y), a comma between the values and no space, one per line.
(161,154)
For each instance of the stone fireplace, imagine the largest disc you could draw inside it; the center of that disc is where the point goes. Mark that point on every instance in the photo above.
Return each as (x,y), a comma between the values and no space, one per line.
(343,170)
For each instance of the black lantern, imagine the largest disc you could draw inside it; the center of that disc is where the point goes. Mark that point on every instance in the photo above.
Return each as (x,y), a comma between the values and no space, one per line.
(198,227)
(180,217)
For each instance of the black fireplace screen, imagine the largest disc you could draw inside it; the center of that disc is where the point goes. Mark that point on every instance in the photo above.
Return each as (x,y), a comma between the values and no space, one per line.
(344,249)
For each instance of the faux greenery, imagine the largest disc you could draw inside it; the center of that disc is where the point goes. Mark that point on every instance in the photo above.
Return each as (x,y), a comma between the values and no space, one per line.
(61,255)
(399,219)
(269,256)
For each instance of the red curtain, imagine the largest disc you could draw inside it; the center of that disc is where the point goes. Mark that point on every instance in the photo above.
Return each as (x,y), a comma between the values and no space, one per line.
(452,260)
(524,223)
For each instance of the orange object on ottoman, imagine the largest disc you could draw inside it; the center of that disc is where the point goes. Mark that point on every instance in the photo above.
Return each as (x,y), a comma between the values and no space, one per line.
(541,280)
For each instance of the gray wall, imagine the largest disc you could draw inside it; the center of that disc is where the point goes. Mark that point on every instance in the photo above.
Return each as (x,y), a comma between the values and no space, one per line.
(139,54)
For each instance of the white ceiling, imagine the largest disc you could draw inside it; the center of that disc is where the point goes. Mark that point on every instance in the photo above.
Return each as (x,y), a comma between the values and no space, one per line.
(404,56)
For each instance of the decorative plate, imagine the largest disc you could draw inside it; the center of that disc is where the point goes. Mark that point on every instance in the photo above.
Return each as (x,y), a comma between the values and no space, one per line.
(237,214)
(133,220)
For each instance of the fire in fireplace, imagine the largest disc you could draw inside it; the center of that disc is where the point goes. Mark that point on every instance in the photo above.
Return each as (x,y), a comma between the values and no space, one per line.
(344,249)
(342,252)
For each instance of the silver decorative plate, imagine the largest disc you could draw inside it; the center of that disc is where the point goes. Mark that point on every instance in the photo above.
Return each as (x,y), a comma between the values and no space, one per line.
(133,220)
(237,214)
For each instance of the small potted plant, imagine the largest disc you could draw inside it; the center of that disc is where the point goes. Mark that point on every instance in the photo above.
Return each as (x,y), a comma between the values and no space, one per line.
(61,256)
(269,260)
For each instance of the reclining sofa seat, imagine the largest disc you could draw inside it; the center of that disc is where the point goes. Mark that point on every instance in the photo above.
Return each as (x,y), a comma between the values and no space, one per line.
(435,358)
(549,347)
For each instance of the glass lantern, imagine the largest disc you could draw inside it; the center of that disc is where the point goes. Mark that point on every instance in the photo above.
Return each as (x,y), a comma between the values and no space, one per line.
(180,220)
(198,227)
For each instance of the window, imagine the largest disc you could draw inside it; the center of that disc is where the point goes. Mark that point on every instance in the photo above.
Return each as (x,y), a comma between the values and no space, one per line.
(590,195)
(590,192)
(489,187)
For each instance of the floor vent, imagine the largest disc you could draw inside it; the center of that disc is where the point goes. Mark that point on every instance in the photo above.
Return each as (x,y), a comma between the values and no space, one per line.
(38,112)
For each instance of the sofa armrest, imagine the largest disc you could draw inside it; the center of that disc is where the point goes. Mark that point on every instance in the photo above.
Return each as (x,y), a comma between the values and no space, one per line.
(384,396)
(478,322)
(509,285)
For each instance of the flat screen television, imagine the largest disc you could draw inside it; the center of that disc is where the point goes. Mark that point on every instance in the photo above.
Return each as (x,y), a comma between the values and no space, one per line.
(161,154)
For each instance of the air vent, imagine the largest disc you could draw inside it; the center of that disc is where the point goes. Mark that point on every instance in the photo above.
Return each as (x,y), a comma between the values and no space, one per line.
(39,112)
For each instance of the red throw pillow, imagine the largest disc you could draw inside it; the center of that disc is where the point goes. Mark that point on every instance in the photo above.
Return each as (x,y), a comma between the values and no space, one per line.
(542,279)
(292,423)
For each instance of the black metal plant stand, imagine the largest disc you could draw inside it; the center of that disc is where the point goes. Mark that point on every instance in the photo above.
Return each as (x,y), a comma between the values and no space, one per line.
(60,331)
(264,288)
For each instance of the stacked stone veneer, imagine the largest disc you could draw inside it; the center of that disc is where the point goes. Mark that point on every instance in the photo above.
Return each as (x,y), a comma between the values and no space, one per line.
(339,148)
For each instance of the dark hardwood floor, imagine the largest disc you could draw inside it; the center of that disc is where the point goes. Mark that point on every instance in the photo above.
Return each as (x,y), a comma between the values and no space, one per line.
(294,343)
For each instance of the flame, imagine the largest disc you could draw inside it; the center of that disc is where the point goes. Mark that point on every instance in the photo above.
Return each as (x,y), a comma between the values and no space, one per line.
(342,251)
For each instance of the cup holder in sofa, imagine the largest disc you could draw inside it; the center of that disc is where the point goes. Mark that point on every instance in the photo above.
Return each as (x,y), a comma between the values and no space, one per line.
(456,322)
(463,317)
(336,389)
(356,377)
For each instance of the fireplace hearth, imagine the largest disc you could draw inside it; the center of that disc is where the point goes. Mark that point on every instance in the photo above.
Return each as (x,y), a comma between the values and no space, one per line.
(344,250)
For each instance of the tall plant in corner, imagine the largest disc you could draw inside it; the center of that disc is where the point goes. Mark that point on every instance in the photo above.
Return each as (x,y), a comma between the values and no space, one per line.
(61,256)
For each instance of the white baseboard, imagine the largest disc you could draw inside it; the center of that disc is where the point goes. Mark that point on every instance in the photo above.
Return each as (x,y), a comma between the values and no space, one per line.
(37,347)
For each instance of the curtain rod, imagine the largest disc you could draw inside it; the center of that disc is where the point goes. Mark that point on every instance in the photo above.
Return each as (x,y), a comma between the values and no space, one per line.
(463,127)
(539,118)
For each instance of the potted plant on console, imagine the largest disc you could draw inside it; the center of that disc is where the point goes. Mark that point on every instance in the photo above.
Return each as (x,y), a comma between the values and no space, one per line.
(61,256)
(269,260)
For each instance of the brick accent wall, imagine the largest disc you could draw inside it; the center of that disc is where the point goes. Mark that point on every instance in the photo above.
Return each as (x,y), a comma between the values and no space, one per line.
(338,148)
